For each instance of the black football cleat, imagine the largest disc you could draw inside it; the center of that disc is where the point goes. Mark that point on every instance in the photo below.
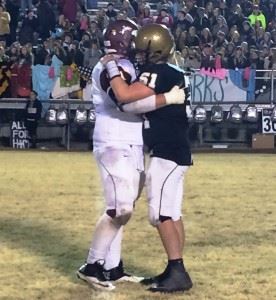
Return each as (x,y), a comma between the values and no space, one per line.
(118,274)
(155,279)
(93,274)
(176,280)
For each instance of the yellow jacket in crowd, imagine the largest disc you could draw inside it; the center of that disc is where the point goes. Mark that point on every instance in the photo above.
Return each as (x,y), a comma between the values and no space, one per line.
(260,17)
(4,22)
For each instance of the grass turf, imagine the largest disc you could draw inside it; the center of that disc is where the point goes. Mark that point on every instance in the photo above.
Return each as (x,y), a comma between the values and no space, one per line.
(49,203)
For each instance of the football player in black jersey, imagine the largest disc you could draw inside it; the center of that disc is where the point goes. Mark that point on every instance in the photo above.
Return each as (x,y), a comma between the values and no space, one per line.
(165,133)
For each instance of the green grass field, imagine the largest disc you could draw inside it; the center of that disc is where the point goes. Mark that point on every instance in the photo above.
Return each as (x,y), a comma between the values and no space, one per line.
(50,201)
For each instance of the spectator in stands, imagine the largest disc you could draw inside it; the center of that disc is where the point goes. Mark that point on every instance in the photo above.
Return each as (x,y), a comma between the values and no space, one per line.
(248,33)
(67,40)
(183,20)
(69,9)
(164,18)
(165,4)
(46,19)
(207,57)
(4,23)
(85,41)
(145,16)
(111,12)
(273,37)
(236,17)
(229,50)
(193,61)
(201,20)
(257,15)
(12,53)
(177,59)
(178,5)
(267,41)
(271,25)
(238,60)
(24,73)
(209,10)
(13,9)
(220,26)
(102,19)
(214,20)
(259,37)
(76,55)
(270,62)
(180,38)
(221,60)
(28,28)
(191,8)
(129,9)
(32,116)
(206,37)
(270,11)
(122,15)
(192,38)
(263,54)
(258,64)
(247,7)
(245,48)
(235,38)
(96,33)
(84,23)
(92,55)
(185,53)
(220,41)
(4,73)
(4,58)
(224,10)
(254,59)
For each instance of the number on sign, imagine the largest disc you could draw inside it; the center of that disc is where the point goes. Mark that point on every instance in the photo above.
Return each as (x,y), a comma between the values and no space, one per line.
(269,126)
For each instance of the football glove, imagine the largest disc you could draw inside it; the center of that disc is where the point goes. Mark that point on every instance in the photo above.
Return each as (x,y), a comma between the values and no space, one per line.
(176,95)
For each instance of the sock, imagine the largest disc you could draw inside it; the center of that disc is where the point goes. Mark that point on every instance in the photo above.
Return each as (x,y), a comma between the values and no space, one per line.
(113,256)
(104,234)
(175,262)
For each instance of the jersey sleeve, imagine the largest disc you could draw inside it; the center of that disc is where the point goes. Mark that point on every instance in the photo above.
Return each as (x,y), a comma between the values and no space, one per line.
(128,74)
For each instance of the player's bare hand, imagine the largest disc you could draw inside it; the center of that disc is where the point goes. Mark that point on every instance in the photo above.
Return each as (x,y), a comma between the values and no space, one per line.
(107,58)
(175,96)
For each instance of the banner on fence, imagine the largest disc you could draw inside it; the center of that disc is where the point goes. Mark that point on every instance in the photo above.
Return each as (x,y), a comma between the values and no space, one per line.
(211,86)
(19,135)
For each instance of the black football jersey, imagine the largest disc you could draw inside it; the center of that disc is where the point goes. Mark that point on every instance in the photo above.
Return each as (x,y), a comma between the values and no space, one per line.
(165,130)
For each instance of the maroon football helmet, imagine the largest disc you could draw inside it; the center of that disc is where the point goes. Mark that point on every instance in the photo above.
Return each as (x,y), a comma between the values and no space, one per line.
(118,37)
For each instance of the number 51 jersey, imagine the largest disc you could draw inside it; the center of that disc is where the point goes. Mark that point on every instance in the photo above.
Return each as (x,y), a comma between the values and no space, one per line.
(112,125)
(165,130)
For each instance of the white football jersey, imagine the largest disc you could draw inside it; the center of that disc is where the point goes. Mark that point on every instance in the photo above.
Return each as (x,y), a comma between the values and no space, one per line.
(113,125)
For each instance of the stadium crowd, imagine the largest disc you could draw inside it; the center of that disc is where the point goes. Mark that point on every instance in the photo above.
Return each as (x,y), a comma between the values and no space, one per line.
(62,35)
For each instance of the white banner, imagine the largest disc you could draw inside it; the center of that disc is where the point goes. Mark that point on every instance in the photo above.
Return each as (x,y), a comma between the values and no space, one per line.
(222,86)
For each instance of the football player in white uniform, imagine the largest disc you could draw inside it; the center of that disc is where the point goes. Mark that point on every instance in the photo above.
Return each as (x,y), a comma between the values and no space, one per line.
(165,133)
(118,150)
